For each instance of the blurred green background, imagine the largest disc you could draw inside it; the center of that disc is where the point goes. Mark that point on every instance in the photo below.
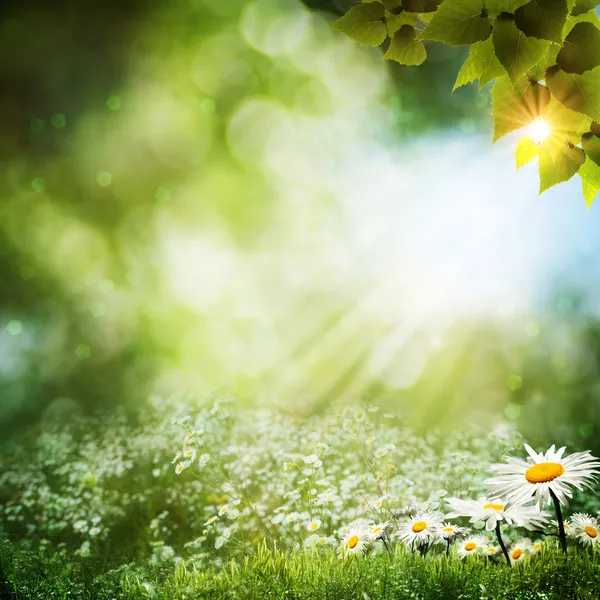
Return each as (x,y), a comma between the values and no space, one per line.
(232,197)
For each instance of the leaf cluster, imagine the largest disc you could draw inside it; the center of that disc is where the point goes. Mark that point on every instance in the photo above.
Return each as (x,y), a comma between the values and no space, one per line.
(542,55)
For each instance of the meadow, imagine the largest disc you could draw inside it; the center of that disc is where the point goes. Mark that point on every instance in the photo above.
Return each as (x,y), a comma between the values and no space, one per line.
(226,502)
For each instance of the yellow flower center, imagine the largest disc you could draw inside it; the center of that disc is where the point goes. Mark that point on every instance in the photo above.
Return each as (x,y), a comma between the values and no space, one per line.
(544,472)
(516,555)
(448,529)
(419,526)
(376,529)
(313,525)
(493,507)
(470,546)
(353,541)
(590,531)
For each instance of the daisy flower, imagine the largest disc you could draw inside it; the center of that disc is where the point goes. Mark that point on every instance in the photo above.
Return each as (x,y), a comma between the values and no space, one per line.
(421,529)
(357,539)
(471,546)
(449,532)
(544,475)
(313,525)
(519,550)
(585,529)
(492,511)
(378,530)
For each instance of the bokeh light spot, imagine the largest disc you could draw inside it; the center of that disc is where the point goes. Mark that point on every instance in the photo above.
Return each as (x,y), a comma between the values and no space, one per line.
(104,179)
(38,184)
(114,103)
(162,195)
(83,351)
(14,327)
(512,411)
(515,382)
(58,120)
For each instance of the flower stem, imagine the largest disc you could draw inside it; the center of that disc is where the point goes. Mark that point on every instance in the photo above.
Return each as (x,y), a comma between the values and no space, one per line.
(561,525)
(388,549)
(501,542)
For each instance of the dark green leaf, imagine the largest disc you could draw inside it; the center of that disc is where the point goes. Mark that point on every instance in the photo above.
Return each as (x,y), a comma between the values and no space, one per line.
(405,48)
(515,51)
(421,6)
(591,146)
(581,49)
(458,22)
(363,23)
(495,7)
(543,19)
(583,6)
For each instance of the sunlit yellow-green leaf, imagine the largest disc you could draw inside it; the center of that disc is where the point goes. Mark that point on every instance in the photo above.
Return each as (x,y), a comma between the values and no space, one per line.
(481,64)
(558,162)
(579,93)
(526,151)
(517,105)
(590,181)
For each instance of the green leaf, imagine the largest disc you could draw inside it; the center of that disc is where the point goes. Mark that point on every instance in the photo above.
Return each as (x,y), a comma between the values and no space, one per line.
(565,123)
(589,17)
(421,6)
(543,19)
(558,162)
(364,23)
(394,22)
(584,6)
(590,181)
(495,7)
(405,48)
(515,51)
(526,151)
(581,49)
(517,106)
(579,93)
(591,146)
(481,64)
(458,22)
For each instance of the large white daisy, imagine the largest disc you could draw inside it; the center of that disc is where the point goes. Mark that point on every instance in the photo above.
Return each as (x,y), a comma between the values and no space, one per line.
(421,529)
(356,539)
(542,474)
(585,529)
(494,510)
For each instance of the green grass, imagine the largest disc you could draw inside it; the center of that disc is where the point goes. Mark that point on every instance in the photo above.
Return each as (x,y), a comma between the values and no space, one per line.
(299,575)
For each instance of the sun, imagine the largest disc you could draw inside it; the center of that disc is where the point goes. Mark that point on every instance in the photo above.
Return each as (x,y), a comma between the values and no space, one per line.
(538,130)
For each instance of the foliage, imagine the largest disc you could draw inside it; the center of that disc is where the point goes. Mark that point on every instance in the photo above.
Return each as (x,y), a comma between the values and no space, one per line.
(279,574)
(544,56)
